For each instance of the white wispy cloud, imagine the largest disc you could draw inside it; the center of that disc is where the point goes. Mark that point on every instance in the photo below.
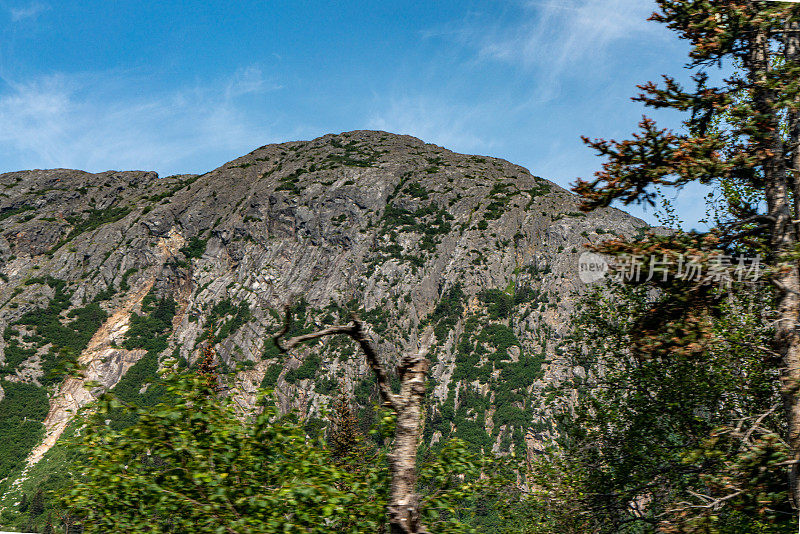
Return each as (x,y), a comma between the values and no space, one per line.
(26,12)
(572,32)
(433,120)
(97,122)
(557,40)
(249,80)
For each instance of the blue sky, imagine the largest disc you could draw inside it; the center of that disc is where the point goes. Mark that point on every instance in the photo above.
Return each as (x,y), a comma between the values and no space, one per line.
(184,86)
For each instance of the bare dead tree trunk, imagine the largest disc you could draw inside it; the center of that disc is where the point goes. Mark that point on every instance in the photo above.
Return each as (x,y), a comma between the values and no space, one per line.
(404,504)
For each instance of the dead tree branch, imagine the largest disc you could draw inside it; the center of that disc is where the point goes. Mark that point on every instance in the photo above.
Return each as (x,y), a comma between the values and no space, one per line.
(404,504)
(356,332)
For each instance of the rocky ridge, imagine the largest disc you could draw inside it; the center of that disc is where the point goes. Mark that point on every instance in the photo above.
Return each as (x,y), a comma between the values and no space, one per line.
(116,272)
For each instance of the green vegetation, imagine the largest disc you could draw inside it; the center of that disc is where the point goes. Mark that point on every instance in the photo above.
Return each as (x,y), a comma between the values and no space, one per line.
(378,317)
(290,181)
(22,411)
(228,318)
(521,374)
(660,420)
(490,342)
(416,190)
(702,403)
(195,248)
(299,313)
(14,353)
(66,340)
(326,386)
(271,350)
(271,376)
(677,412)
(244,165)
(93,218)
(307,370)
(403,220)
(30,504)
(192,465)
(447,312)
(499,199)
(5,214)
(500,303)
(542,188)
(430,221)
(469,420)
(468,357)
(150,331)
(355,155)
(500,337)
(174,189)
(123,283)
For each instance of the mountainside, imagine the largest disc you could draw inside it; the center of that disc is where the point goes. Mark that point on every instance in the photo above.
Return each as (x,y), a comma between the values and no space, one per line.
(112,273)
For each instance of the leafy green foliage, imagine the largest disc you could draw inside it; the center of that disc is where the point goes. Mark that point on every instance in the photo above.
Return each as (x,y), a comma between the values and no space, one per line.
(521,374)
(378,317)
(416,190)
(192,465)
(174,189)
(123,283)
(430,221)
(663,421)
(143,372)
(271,350)
(542,188)
(22,411)
(500,337)
(300,323)
(489,342)
(5,214)
(290,181)
(141,384)
(692,374)
(499,199)
(14,355)
(404,220)
(355,155)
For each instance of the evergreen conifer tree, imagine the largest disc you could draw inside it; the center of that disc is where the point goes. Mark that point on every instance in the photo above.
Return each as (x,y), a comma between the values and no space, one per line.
(741,134)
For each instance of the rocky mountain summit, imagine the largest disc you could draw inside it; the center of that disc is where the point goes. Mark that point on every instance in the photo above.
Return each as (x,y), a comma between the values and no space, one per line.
(103,277)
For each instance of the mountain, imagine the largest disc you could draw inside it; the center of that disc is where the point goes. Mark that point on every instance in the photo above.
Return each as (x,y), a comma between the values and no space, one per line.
(105,276)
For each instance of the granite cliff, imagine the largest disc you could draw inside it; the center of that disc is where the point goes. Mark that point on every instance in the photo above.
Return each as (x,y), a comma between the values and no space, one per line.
(105,276)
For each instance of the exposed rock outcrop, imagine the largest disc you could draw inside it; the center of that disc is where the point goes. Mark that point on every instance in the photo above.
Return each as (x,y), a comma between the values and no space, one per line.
(407,234)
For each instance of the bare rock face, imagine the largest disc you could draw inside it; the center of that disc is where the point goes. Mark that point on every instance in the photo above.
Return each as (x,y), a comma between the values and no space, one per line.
(409,235)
